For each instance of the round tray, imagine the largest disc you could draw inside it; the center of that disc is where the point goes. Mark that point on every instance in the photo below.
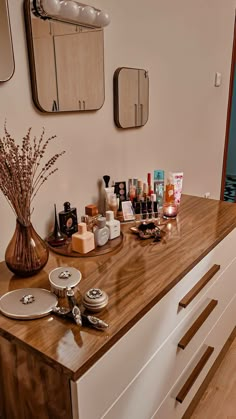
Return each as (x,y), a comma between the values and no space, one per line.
(66,250)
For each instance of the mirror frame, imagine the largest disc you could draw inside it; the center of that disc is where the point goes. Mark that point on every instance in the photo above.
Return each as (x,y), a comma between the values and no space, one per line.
(33,71)
(133,88)
(9,39)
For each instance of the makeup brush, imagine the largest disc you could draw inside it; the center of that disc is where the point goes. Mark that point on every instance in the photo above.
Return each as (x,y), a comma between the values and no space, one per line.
(106,179)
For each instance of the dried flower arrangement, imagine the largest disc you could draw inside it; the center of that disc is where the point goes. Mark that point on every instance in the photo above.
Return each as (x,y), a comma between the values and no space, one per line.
(22,174)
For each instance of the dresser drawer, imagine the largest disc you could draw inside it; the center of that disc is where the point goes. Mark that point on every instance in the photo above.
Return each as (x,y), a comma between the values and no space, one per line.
(170,407)
(164,368)
(112,374)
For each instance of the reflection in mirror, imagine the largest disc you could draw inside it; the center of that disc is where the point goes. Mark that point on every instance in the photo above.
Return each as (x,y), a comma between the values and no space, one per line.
(7,65)
(66,64)
(131,97)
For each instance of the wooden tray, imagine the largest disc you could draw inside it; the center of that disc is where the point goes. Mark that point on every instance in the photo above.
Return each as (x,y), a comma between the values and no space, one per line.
(66,250)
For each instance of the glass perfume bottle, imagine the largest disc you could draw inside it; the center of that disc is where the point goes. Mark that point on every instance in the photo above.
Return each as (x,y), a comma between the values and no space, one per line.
(83,240)
(101,233)
(68,220)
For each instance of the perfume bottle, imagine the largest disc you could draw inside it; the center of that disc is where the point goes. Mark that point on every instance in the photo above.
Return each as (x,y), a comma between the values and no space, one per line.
(113,225)
(159,186)
(68,220)
(83,241)
(101,234)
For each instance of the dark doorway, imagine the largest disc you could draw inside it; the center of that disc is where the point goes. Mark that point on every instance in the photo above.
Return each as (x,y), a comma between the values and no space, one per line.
(228,183)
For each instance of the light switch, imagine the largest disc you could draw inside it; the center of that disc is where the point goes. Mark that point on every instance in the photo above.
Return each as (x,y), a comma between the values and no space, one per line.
(218,79)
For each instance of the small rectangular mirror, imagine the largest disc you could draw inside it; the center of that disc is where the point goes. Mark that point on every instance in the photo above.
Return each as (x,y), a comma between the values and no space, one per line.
(66,65)
(131,97)
(7,64)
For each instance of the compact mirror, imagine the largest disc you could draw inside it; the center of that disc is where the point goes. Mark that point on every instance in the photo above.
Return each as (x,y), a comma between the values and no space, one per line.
(131,97)
(7,65)
(66,64)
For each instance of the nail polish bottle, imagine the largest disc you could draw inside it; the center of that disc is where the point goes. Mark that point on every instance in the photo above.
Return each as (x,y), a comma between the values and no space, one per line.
(113,225)
(101,233)
(83,241)
(68,220)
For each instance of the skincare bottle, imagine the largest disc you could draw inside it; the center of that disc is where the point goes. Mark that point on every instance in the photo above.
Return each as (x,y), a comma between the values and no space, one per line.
(83,241)
(68,220)
(159,186)
(113,225)
(113,204)
(101,234)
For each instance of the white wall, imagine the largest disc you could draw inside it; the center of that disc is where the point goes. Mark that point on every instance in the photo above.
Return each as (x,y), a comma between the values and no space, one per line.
(182,44)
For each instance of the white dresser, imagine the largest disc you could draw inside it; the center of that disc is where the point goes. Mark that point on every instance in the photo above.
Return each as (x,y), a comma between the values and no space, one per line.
(156,368)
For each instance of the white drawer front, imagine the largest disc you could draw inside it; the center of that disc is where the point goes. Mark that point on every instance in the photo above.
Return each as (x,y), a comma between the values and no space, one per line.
(110,376)
(170,408)
(166,366)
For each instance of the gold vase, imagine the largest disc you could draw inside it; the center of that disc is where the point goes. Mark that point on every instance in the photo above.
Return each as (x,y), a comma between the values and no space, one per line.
(26,253)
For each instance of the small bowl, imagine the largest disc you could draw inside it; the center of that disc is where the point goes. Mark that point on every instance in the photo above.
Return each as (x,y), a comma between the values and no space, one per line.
(62,278)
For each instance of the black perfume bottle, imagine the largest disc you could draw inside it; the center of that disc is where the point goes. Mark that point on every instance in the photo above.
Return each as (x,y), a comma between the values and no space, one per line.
(68,220)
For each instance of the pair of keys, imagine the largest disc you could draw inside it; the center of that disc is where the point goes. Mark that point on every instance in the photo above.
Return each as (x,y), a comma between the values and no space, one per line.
(74,312)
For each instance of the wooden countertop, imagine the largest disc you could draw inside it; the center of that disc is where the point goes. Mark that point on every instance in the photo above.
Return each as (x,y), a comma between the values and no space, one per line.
(135,277)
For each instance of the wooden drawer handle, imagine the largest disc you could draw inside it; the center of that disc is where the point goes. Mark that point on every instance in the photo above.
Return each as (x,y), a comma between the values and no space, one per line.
(186,300)
(193,376)
(197,324)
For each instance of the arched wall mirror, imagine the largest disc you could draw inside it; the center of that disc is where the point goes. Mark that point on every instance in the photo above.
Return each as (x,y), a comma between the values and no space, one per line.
(66,64)
(7,65)
(131,97)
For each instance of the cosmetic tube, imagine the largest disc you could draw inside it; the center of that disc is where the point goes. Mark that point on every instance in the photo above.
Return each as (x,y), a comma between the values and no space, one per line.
(176,179)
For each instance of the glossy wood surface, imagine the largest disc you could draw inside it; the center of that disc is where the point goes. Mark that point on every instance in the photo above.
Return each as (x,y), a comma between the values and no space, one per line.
(135,277)
(24,386)
(216,397)
(219,399)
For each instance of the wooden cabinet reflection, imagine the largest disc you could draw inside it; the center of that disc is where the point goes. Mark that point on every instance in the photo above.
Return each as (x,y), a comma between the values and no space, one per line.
(67,67)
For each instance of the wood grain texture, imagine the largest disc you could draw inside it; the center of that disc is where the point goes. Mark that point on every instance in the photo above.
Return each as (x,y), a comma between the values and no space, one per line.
(191,332)
(193,376)
(135,278)
(24,386)
(186,300)
(216,397)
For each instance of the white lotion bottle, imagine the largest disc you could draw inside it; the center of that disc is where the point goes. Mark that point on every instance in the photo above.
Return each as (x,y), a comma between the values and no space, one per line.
(101,233)
(83,240)
(113,225)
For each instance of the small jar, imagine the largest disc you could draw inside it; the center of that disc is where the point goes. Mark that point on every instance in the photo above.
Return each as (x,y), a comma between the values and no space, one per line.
(170,210)
(62,278)
(95,300)
(101,234)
